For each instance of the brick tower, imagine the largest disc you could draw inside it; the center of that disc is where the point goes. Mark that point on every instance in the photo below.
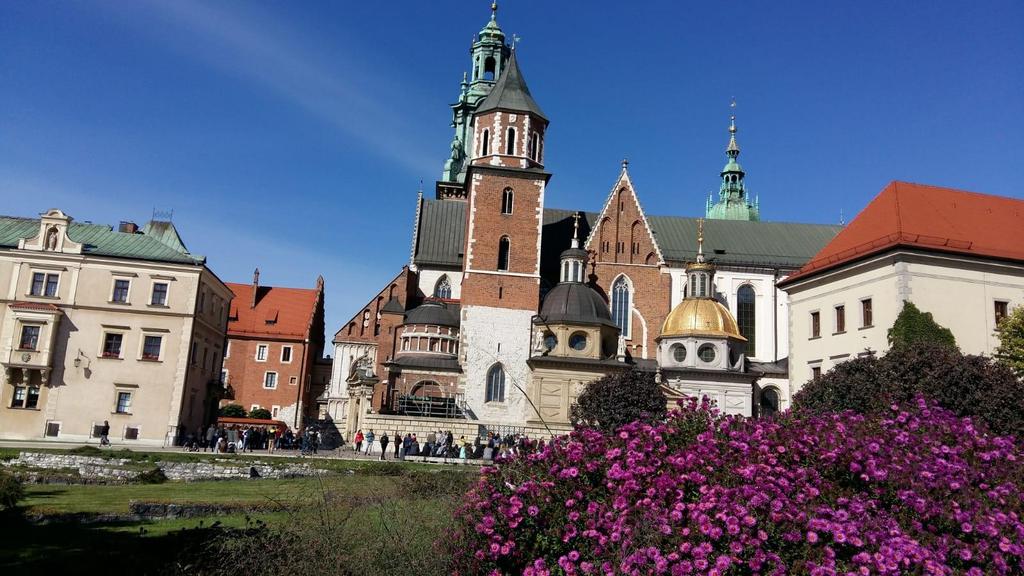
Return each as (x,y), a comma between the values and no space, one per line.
(501,271)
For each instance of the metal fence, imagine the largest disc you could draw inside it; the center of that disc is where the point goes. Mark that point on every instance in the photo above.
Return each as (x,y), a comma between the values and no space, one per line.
(429,407)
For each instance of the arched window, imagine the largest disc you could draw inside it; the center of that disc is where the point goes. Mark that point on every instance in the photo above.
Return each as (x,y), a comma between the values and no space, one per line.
(504,246)
(534,142)
(510,141)
(769,402)
(443,288)
(621,305)
(746,317)
(489,69)
(507,197)
(485,143)
(496,384)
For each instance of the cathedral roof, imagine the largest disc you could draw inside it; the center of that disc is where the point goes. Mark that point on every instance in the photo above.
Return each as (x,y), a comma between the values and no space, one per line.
(928,218)
(574,303)
(510,93)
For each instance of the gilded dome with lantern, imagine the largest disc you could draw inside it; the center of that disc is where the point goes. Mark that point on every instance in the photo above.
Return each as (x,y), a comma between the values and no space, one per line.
(701,317)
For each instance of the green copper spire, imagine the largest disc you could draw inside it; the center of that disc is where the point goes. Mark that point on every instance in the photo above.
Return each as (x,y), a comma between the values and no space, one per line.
(489,55)
(733,203)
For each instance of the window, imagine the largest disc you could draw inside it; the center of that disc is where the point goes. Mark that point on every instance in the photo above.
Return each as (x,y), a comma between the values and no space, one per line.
(44,284)
(621,305)
(496,384)
(223,376)
(112,344)
(151,347)
(578,341)
(679,353)
(443,288)
(504,246)
(510,141)
(707,353)
(866,318)
(261,352)
(550,341)
(121,288)
(534,147)
(53,429)
(159,296)
(29,337)
(1001,310)
(286,354)
(254,407)
(769,402)
(746,317)
(815,324)
(202,300)
(507,196)
(270,380)
(25,397)
(124,403)
(293,380)
(131,433)
(840,319)
(815,372)
(274,410)
(485,143)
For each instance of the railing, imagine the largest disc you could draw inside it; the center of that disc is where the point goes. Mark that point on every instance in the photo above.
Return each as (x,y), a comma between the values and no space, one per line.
(428,407)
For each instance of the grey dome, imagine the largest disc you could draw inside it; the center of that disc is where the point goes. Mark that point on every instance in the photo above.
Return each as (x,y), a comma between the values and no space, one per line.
(432,313)
(575,303)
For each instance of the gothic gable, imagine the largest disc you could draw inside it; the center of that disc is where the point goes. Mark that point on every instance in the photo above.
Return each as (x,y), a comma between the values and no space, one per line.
(622,234)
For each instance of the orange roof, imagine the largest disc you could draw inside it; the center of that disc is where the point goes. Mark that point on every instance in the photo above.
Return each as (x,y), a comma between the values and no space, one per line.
(279,312)
(927,218)
(44,306)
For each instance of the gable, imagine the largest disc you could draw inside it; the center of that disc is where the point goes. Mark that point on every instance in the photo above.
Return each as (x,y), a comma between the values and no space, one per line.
(622,233)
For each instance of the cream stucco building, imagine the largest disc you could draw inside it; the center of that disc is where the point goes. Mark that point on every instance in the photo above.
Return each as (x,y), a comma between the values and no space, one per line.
(99,325)
(958,255)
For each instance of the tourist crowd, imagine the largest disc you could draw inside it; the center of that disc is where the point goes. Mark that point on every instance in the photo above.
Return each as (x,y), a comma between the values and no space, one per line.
(441,444)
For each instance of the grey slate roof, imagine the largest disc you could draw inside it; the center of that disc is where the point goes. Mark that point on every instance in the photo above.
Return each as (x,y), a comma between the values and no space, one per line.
(442,229)
(726,242)
(511,93)
(433,313)
(102,240)
(574,303)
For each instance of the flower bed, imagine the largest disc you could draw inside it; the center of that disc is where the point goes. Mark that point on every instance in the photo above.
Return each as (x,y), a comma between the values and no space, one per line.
(913,491)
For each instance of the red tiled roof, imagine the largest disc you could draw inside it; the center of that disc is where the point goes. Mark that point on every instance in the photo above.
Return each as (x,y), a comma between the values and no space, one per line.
(44,306)
(927,218)
(290,309)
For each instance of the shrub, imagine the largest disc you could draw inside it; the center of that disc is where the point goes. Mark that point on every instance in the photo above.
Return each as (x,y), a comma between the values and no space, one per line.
(152,476)
(11,491)
(965,384)
(1011,341)
(87,451)
(915,327)
(260,413)
(233,411)
(619,399)
(910,491)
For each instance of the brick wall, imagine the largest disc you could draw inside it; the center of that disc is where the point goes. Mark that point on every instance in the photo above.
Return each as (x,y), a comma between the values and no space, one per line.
(246,374)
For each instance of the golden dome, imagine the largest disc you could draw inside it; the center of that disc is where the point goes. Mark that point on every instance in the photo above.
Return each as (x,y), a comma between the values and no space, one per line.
(701,317)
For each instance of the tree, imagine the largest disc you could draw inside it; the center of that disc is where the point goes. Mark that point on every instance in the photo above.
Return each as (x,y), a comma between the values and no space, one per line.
(260,414)
(1010,352)
(964,384)
(233,411)
(913,326)
(618,399)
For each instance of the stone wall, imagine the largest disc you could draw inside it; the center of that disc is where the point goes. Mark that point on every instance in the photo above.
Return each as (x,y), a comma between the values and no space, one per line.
(381,423)
(92,468)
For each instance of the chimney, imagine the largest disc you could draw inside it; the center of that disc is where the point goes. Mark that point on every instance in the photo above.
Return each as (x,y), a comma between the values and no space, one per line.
(255,286)
(127,227)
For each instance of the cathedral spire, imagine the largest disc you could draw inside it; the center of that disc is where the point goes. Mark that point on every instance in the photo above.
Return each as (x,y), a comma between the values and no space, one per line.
(733,203)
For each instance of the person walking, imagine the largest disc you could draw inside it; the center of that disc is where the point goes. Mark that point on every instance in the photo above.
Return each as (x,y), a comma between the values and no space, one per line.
(211,438)
(370,437)
(384,446)
(398,444)
(105,434)
(359,441)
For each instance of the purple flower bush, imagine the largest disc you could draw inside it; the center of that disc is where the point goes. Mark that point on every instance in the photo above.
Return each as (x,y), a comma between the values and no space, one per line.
(915,490)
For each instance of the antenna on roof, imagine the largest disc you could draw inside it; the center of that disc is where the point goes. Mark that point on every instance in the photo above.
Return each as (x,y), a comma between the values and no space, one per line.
(162,215)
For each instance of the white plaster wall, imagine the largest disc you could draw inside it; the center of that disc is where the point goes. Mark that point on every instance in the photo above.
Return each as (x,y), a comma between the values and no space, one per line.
(769,325)
(492,335)
(428,279)
(729,397)
(345,354)
(959,293)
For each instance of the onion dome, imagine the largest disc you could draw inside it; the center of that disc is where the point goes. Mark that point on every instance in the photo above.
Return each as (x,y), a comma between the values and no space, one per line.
(432,313)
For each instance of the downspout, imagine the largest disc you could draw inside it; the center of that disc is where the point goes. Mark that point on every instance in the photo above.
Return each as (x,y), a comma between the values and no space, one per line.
(775,315)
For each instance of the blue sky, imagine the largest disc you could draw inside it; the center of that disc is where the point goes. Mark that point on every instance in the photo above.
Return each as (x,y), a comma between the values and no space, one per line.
(293,135)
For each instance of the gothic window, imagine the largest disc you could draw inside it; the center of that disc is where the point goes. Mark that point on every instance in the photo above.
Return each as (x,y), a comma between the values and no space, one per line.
(621,305)
(504,246)
(443,288)
(496,384)
(769,402)
(490,68)
(485,143)
(510,142)
(507,197)
(534,142)
(746,317)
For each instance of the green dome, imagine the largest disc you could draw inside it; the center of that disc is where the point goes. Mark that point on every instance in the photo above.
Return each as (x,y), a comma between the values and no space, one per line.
(732,166)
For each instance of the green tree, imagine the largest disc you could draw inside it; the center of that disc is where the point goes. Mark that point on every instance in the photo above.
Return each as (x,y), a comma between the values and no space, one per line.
(260,413)
(11,490)
(913,326)
(233,411)
(1010,352)
(618,399)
